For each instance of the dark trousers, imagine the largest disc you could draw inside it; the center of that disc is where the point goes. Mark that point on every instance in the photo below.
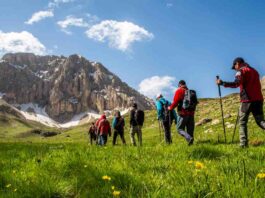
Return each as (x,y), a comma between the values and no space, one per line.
(115,135)
(166,126)
(92,137)
(186,123)
(256,108)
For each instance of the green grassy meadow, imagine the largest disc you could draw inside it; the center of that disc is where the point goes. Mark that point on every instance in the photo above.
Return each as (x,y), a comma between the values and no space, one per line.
(66,165)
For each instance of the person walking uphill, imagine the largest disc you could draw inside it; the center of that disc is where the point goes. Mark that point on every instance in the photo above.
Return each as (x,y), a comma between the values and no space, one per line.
(92,133)
(118,126)
(186,101)
(165,117)
(103,130)
(136,123)
(251,98)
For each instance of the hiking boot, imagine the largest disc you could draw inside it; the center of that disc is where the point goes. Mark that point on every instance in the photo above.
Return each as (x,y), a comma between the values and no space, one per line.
(190,142)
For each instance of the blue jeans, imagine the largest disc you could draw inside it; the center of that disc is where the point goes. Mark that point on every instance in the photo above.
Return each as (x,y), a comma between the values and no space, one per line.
(102,140)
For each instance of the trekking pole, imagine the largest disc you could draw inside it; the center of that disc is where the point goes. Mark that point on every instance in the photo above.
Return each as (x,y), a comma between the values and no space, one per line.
(221,104)
(170,123)
(159,126)
(237,118)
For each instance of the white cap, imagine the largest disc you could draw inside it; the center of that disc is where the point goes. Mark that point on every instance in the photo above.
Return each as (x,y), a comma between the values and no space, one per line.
(159,96)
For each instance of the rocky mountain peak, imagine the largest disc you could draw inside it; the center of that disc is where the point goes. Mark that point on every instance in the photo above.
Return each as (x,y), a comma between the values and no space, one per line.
(65,86)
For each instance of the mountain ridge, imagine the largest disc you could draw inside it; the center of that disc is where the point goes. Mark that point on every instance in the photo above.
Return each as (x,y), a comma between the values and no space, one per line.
(66,86)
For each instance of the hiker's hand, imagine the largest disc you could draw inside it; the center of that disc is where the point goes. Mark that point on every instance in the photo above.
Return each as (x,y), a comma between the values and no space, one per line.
(169,108)
(219,82)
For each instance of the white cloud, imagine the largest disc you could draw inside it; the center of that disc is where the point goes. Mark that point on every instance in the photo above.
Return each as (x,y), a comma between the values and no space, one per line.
(119,35)
(156,85)
(20,42)
(72,21)
(56,3)
(38,16)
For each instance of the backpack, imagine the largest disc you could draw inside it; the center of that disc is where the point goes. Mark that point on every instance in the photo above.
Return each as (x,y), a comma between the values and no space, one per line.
(190,100)
(167,115)
(139,117)
(119,123)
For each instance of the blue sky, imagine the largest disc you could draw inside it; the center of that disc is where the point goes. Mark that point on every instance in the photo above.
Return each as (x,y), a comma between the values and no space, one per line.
(161,41)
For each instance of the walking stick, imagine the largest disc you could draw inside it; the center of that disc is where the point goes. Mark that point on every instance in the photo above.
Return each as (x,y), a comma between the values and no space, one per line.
(170,126)
(221,104)
(159,126)
(237,118)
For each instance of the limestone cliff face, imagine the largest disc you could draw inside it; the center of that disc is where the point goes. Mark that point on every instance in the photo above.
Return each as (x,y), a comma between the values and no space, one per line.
(65,85)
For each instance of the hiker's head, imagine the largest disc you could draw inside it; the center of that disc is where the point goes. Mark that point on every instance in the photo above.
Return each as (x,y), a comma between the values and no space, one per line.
(158,96)
(134,105)
(238,63)
(118,114)
(92,123)
(182,83)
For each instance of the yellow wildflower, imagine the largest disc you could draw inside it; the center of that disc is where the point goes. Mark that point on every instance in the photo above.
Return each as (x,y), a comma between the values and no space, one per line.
(85,166)
(15,190)
(112,187)
(116,193)
(261,176)
(190,162)
(14,172)
(8,185)
(199,165)
(106,177)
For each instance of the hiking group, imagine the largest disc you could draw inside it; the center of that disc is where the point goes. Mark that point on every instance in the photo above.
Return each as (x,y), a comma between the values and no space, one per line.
(185,102)
(100,130)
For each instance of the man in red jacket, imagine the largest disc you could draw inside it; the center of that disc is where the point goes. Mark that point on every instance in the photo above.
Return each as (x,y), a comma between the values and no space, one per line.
(247,79)
(185,117)
(103,130)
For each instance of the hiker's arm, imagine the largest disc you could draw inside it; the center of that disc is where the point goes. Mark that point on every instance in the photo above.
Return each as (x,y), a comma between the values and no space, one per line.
(159,110)
(237,82)
(176,100)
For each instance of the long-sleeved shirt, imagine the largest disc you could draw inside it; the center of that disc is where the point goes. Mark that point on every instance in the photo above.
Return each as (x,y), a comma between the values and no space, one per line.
(247,79)
(177,102)
(132,118)
(104,127)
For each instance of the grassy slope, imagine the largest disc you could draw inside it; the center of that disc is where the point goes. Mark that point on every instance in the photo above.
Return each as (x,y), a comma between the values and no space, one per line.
(68,166)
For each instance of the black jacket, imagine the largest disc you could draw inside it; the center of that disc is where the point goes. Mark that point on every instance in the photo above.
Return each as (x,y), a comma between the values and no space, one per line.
(132,118)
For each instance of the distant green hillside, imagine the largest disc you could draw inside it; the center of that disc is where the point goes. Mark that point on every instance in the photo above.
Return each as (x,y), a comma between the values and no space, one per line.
(14,128)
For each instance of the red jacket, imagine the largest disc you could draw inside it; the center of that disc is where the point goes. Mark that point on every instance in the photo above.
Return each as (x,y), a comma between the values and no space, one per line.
(178,98)
(104,126)
(248,81)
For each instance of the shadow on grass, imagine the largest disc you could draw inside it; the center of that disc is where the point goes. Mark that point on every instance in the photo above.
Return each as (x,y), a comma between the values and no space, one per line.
(205,152)
(221,142)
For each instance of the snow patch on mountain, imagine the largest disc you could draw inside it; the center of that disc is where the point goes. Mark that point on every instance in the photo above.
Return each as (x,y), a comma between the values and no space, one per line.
(1,95)
(34,112)
(18,66)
